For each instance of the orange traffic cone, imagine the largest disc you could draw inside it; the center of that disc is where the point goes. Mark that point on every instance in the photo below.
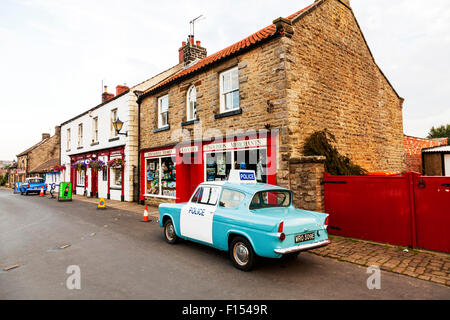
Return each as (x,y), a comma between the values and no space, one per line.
(145,218)
(42,192)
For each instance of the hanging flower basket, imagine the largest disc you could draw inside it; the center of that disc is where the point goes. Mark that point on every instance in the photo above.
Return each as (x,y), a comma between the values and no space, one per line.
(57,168)
(116,163)
(97,165)
(79,165)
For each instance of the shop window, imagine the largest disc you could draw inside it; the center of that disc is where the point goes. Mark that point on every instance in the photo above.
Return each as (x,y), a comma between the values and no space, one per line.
(116,177)
(231,199)
(161,177)
(163,111)
(219,164)
(191,112)
(81,178)
(229,90)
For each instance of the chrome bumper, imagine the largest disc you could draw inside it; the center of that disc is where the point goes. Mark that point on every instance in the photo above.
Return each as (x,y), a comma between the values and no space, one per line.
(303,247)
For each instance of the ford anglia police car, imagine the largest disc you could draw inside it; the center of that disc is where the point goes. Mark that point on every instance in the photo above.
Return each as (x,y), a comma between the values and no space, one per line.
(245,218)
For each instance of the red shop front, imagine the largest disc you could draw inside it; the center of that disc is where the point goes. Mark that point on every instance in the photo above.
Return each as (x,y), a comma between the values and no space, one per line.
(173,172)
(104,182)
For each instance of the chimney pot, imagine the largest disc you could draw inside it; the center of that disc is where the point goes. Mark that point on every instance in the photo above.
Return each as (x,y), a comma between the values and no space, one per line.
(198,43)
(190,52)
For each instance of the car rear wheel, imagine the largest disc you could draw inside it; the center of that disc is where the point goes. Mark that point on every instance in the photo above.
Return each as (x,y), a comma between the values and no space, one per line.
(242,254)
(169,232)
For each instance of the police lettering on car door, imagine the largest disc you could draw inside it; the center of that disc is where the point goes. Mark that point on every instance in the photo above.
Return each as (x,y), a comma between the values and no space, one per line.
(196,218)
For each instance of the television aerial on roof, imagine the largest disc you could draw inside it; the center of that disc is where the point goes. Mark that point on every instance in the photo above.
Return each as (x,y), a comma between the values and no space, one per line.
(192,23)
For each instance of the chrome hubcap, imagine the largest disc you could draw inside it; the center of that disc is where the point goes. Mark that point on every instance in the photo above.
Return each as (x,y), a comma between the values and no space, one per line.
(240,253)
(170,231)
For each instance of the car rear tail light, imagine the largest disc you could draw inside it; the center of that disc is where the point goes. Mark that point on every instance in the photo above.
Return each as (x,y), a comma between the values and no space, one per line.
(282,237)
(326,222)
(280,228)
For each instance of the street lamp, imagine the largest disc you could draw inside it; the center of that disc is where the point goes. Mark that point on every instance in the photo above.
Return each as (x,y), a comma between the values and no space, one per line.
(118,126)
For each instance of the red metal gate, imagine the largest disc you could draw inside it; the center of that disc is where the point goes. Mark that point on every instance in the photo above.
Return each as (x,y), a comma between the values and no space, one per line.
(409,210)
(432,211)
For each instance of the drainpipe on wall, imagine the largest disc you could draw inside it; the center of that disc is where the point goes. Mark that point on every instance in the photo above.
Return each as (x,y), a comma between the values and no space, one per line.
(138,95)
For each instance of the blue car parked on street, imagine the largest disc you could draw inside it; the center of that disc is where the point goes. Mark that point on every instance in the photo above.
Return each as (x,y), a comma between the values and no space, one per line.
(33,185)
(245,218)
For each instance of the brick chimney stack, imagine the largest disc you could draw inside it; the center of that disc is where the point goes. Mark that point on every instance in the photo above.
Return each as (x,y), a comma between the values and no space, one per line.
(45,136)
(121,89)
(106,96)
(191,50)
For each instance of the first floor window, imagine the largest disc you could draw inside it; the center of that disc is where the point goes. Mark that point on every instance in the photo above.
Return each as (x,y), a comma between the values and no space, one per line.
(161,177)
(163,111)
(229,90)
(191,112)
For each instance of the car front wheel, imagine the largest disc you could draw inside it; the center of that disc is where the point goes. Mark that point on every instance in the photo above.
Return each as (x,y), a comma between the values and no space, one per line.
(242,254)
(169,232)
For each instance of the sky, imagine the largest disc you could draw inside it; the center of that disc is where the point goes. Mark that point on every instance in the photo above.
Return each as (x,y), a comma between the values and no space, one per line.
(55,54)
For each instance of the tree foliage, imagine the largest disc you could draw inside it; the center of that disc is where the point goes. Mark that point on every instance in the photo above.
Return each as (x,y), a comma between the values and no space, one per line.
(440,132)
(320,144)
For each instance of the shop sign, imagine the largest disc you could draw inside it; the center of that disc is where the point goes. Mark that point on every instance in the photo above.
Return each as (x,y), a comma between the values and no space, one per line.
(192,149)
(160,153)
(236,145)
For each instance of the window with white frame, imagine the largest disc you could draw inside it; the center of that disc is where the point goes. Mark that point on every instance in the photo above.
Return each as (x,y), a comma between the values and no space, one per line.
(113,119)
(81,175)
(161,177)
(163,111)
(68,139)
(116,176)
(229,90)
(95,129)
(80,135)
(191,112)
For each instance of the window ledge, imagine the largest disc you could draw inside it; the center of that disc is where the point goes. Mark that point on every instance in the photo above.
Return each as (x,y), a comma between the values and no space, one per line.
(166,128)
(78,148)
(228,114)
(95,143)
(114,139)
(188,123)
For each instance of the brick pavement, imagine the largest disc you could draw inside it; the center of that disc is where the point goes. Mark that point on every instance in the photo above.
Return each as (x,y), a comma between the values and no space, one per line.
(421,264)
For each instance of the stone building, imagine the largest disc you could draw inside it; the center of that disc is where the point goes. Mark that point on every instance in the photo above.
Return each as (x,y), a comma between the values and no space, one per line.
(254,103)
(38,159)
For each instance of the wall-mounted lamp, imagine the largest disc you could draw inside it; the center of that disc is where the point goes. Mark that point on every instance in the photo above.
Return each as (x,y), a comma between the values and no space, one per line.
(118,126)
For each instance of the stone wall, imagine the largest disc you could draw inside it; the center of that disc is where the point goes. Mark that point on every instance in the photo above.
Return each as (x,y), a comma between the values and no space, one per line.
(306,175)
(334,83)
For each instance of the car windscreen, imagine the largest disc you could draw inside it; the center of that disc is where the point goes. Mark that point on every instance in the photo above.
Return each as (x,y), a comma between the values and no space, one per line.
(271,199)
(36,180)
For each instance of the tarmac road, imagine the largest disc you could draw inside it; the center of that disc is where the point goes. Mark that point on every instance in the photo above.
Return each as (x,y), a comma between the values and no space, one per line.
(122,258)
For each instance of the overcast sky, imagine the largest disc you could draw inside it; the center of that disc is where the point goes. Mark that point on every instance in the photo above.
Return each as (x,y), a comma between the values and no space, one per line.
(54,54)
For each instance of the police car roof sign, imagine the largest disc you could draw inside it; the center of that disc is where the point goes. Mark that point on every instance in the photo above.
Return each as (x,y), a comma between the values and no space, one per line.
(242,176)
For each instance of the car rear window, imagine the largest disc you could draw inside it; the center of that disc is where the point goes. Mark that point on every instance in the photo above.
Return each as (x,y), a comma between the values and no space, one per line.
(271,199)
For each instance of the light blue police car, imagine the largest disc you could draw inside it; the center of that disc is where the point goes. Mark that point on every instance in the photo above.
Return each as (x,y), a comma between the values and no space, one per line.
(245,218)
